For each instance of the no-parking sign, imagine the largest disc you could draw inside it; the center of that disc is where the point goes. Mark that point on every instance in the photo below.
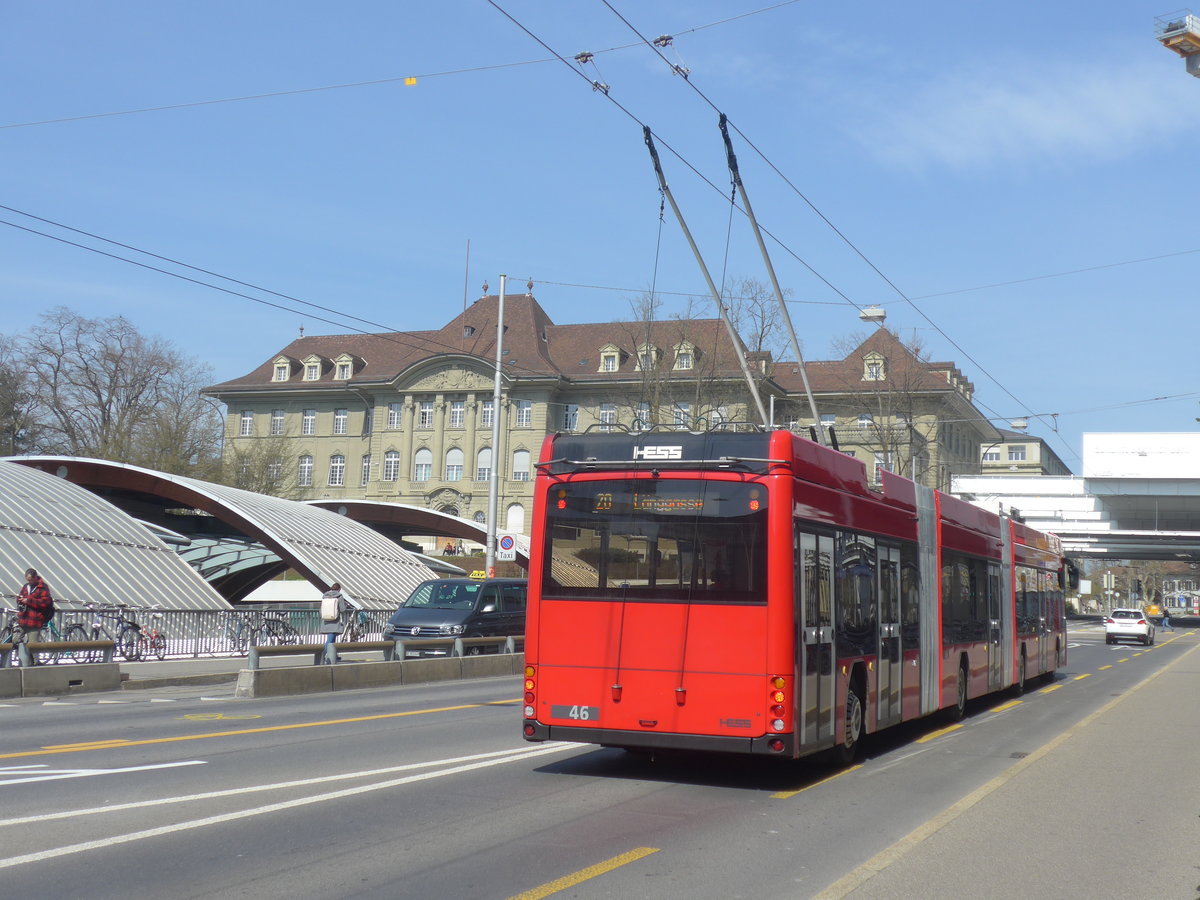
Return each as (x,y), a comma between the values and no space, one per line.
(506,548)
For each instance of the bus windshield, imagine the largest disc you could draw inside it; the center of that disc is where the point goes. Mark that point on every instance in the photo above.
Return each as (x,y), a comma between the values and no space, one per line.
(660,539)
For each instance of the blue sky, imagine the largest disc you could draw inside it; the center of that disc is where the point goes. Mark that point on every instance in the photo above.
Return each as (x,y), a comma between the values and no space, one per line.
(966,153)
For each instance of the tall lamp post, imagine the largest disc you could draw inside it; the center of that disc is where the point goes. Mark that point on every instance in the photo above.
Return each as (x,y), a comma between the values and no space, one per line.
(494,479)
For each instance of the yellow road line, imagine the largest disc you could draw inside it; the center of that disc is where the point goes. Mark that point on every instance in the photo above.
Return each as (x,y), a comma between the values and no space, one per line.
(784,795)
(104,745)
(1083,676)
(1053,687)
(583,875)
(1102,668)
(1008,705)
(937,734)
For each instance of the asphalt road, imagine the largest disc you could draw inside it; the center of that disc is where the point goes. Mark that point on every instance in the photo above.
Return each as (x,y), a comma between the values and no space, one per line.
(427,791)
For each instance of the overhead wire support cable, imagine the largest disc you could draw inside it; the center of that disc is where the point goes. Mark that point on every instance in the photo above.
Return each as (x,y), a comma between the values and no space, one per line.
(655,48)
(731,158)
(733,335)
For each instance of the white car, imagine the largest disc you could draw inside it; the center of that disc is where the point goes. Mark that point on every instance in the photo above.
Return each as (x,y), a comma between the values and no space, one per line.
(1128,623)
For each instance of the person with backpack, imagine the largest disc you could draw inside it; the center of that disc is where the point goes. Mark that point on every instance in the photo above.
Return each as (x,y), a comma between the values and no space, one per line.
(334,607)
(35,606)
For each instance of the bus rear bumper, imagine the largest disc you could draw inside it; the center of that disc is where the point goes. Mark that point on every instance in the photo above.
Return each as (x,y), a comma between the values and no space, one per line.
(781,745)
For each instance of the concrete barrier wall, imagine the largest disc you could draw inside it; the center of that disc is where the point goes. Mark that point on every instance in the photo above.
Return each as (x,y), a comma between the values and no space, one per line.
(10,682)
(72,679)
(348,676)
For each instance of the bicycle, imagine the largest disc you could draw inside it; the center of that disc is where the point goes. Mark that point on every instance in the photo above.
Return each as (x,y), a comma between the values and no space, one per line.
(129,632)
(355,628)
(272,629)
(10,630)
(153,640)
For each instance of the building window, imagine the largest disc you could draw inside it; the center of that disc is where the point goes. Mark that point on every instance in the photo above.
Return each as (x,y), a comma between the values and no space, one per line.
(281,371)
(992,455)
(308,422)
(458,413)
(608,414)
(483,465)
(524,413)
(425,414)
(391,465)
(874,368)
(570,417)
(369,420)
(312,371)
(365,471)
(866,420)
(423,465)
(882,461)
(337,470)
(247,424)
(277,421)
(340,418)
(1016,453)
(684,359)
(681,415)
(515,519)
(520,465)
(647,358)
(608,362)
(487,415)
(304,473)
(454,464)
(275,471)
(480,517)
(343,371)
(719,415)
(642,420)
(394,412)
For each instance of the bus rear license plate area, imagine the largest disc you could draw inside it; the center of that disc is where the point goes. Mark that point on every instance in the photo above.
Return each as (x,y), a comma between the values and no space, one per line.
(575,713)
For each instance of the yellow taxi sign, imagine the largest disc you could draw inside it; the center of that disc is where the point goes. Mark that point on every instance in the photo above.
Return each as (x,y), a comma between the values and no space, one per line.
(479,573)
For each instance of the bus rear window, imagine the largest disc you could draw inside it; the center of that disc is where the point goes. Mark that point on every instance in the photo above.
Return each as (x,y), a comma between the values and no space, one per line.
(662,539)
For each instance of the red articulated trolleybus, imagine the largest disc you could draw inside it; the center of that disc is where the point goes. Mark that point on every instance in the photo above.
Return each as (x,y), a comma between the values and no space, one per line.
(749,592)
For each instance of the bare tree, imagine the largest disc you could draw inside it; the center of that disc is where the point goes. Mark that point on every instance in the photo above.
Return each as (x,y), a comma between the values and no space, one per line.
(265,465)
(18,403)
(102,389)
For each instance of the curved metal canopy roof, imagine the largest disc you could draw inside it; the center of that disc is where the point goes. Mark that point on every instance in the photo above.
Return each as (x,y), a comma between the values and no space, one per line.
(405,519)
(321,545)
(87,549)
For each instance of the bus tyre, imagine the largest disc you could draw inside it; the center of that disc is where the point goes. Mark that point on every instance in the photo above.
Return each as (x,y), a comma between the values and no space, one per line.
(956,712)
(1019,687)
(845,752)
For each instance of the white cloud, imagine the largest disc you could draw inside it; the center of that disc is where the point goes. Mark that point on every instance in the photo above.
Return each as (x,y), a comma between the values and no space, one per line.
(1024,111)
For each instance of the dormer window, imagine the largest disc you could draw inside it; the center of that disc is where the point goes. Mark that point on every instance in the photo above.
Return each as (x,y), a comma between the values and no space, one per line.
(343,371)
(685,356)
(468,331)
(312,371)
(874,367)
(647,356)
(610,358)
(281,371)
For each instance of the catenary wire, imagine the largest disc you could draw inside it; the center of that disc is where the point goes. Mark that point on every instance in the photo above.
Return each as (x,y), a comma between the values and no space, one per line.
(823,217)
(371,83)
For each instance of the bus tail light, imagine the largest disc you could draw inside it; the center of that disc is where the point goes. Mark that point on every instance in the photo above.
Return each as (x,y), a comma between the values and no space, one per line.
(530,684)
(779,703)
(776,745)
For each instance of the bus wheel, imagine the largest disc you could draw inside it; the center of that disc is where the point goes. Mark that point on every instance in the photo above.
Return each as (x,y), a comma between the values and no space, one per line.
(1019,687)
(843,754)
(956,712)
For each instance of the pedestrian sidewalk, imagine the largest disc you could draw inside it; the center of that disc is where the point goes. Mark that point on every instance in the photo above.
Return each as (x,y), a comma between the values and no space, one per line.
(1106,810)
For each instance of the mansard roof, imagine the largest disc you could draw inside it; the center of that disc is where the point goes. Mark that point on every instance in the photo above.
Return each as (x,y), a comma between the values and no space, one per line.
(534,347)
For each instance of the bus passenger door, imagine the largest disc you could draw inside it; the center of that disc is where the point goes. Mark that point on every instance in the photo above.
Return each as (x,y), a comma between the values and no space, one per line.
(814,624)
(995,644)
(890,658)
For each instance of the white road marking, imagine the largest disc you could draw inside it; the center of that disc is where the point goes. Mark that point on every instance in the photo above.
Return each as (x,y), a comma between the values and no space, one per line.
(502,757)
(41,773)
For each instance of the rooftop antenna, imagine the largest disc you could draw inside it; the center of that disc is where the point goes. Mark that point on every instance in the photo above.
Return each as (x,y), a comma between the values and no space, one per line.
(1179,32)
(733,335)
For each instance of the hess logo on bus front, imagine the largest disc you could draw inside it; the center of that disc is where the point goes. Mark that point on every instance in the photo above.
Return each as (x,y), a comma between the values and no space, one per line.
(664,452)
